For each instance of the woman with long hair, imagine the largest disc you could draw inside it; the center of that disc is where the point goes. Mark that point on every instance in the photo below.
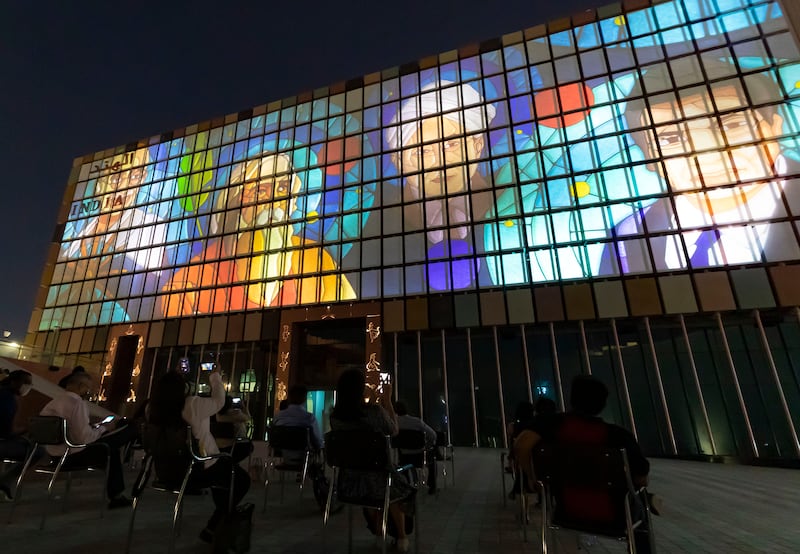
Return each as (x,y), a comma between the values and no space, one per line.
(170,407)
(352,412)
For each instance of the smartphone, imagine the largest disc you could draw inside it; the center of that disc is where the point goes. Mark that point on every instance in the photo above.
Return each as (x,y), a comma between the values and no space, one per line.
(108,419)
(236,402)
(183,366)
(208,366)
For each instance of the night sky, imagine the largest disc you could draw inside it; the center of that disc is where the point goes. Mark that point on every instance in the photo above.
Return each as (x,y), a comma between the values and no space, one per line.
(75,80)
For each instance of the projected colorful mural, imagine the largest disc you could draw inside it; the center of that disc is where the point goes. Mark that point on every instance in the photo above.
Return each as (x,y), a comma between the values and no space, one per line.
(663,139)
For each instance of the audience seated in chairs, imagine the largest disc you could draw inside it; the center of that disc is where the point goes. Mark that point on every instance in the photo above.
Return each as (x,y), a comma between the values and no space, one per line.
(543,409)
(229,427)
(102,440)
(170,407)
(14,447)
(583,426)
(352,413)
(296,415)
(407,422)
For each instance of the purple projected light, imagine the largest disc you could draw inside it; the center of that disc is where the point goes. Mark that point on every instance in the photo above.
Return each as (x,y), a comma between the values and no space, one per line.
(463,271)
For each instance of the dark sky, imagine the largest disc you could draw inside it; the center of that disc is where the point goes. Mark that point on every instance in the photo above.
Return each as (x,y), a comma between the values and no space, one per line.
(78,77)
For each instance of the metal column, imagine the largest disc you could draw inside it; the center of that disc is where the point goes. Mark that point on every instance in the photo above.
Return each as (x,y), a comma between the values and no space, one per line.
(419,374)
(557,368)
(527,362)
(775,376)
(661,394)
(585,347)
(735,376)
(500,387)
(446,393)
(696,378)
(472,388)
(624,378)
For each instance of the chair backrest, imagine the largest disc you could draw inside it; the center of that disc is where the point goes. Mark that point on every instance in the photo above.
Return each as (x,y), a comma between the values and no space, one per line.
(363,450)
(409,439)
(169,448)
(588,486)
(50,430)
(289,437)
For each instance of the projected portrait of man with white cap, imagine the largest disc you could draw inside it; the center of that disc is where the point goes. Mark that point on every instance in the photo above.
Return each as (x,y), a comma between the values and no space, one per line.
(439,139)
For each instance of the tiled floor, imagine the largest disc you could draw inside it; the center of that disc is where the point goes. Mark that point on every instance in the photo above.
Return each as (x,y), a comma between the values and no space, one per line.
(708,508)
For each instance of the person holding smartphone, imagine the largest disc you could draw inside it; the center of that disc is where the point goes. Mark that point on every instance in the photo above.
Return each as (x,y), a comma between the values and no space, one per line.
(73,408)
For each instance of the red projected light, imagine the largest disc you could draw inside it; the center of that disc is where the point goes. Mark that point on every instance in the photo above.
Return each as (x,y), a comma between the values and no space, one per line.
(573,97)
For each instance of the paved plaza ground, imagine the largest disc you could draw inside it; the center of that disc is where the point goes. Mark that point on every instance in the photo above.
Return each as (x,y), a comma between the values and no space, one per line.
(707,508)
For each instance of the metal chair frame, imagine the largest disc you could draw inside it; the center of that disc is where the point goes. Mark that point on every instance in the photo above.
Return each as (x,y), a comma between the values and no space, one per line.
(409,439)
(621,478)
(286,437)
(177,511)
(375,457)
(52,431)
(448,455)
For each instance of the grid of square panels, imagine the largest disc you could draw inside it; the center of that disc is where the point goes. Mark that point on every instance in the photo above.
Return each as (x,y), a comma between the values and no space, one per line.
(661,140)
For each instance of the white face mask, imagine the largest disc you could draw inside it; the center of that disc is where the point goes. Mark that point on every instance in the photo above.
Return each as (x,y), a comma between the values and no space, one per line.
(25,389)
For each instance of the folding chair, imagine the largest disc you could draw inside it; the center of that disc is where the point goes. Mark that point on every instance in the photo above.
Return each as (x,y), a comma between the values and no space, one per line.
(589,489)
(448,455)
(362,453)
(175,457)
(285,439)
(52,431)
(414,441)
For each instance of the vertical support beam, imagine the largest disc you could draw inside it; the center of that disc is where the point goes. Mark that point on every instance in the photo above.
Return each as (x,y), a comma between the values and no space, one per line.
(396,387)
(557,368)
(698,389)
(585,347)
(526,361)
(472,387)
(152,372)
(500,387)
(774,370)
(742,405)
(446,391)
(660,382)
(419,375)
(624,378)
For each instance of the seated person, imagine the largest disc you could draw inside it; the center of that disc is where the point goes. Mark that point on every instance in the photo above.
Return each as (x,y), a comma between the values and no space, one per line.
(405,421)
(171,408)
(582,425)
(72,407)
(351,412)
(77,369)
(296,415)
(13,445)
(229,427)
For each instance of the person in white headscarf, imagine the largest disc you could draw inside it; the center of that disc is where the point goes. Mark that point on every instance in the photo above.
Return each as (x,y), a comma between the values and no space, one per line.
(439,138)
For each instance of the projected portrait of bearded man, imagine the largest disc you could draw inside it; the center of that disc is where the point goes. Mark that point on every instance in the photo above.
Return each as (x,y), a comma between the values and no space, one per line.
(438,138)
(263,246)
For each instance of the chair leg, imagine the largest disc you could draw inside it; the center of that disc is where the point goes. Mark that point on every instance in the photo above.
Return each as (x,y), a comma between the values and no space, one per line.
(385,518)
(503,476)
(50,487)
(545,515)
(266,486)
(178,509)
(21,477)
(523,513)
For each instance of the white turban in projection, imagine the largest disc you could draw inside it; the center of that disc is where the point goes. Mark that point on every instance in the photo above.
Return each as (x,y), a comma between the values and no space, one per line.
(433,101)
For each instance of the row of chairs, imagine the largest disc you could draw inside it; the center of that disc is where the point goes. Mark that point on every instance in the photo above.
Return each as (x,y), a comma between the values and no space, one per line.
(585,489)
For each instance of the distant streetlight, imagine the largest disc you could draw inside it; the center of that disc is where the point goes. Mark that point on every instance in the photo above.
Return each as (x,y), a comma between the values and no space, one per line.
(6,334)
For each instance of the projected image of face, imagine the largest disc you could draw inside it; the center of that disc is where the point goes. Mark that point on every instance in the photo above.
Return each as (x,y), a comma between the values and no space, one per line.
(265,195)
(706,152)
(442,163)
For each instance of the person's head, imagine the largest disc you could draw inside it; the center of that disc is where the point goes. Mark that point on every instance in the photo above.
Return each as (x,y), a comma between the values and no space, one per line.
(545,406)
(349,395)
(524,411)
(19,381)
(588,395)
(79,383)
(707,136)
(400,408)
(283,404)
(167,399)
(267,191)
(428,133)
(298,394)
(78,369)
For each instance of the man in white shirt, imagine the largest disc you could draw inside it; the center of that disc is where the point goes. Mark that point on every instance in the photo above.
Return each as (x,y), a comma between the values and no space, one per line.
(75,411)
(408,422)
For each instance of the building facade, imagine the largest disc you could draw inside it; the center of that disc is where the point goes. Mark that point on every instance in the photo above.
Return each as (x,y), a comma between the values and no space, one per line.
(611,193)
